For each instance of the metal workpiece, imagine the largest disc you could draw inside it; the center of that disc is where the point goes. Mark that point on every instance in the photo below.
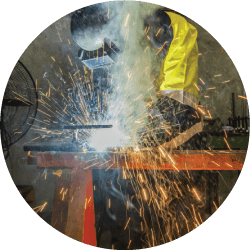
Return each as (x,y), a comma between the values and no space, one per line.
(104,56)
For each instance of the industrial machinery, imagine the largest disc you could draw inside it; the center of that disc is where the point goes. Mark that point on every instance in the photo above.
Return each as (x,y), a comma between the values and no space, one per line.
(234,135)
(19,106)
(88,31)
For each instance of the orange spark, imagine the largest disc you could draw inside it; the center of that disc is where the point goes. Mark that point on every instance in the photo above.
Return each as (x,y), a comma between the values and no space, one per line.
(58,34)
(61,190)
(141,178)
(157,204)
(43,206)
(202,111)
(124,174)
(171,159)
(178,188)
(227,144)
(35,138)
(168,132)
(225,132)
(215,205)
(129,244)
(162,152)
(164,194)
(202,81)
(144,193)
(176,168)
(70,61)
(127,224)
(158,32)
(43,112)
(160,49)
(196,194)
(228,165)
(145,49)
(215,163)
(210,114)
(61,71)
(197,87)
(40,208)
(86,202)
(126,22)
(243,97)
(208,152)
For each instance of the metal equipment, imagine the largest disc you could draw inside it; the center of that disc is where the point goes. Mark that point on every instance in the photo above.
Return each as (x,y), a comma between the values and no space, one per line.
(104,56)
(89,32)
(78,207)
(19,106)
(240,124)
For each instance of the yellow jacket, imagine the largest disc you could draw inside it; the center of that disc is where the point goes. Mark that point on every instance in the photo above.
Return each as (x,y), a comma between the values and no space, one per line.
(179,70)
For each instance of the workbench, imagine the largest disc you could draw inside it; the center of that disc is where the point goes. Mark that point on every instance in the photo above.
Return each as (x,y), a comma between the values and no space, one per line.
(77,203)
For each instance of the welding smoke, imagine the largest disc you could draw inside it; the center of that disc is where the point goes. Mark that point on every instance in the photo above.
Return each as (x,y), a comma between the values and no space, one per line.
(132,82)
(131,78)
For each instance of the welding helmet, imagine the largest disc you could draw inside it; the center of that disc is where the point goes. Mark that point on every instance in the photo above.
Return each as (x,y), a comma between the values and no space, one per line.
(160,30)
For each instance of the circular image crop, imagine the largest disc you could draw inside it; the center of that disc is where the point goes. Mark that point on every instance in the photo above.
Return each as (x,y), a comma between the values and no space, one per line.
(124,125)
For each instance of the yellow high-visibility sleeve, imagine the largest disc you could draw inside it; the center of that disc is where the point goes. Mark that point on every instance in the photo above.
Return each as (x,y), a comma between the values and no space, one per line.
(179,70)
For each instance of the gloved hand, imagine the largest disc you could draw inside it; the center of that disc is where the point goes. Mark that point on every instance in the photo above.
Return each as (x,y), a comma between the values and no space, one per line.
(157,130)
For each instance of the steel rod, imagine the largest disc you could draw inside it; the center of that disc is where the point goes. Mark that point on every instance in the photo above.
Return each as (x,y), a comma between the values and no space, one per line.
(88,126)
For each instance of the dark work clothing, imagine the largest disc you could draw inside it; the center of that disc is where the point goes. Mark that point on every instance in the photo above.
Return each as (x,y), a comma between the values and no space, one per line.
(180,115)
(167,120)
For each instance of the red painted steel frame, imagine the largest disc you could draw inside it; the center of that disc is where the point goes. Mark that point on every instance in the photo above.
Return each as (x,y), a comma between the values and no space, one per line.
(81,216)
(194,160)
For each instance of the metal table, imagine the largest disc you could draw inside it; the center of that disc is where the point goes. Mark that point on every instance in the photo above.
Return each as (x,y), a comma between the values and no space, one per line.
(76,176)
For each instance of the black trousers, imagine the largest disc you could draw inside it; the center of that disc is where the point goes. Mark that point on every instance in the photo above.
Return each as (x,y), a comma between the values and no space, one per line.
(182,117)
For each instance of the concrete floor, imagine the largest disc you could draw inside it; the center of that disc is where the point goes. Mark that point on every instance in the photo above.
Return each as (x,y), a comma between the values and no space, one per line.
(37,58)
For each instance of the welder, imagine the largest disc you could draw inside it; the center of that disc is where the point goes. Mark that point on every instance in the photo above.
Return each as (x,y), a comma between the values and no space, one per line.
(175,42)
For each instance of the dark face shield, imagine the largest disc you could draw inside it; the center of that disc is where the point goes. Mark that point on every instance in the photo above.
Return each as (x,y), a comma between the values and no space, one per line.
(160,30)
(160,36)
